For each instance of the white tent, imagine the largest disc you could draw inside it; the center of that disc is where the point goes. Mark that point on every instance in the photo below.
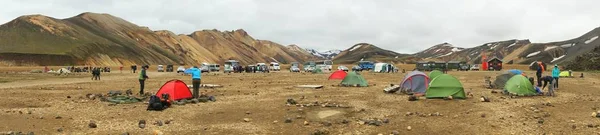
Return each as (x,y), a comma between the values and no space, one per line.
(381,67)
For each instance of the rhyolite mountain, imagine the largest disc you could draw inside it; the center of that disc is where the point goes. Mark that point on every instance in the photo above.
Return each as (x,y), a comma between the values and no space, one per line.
(103,39)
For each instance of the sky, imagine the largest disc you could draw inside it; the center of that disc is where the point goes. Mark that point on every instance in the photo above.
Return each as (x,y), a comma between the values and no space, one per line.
(405,26)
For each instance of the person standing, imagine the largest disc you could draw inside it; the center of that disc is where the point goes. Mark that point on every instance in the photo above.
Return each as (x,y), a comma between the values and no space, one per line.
(93,73)
(555,75)
(142,78)
(98,74)
(196,76)
(538,73)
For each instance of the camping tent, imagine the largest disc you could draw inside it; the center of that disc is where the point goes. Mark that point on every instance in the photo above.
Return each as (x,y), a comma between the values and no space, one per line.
(503,78)
(317,71)
(565,74)
(435,73)
(519,85)
(354,79)
(176,89)
(415,81)
(443,86)
(381,67)
(515,71)
(338,75)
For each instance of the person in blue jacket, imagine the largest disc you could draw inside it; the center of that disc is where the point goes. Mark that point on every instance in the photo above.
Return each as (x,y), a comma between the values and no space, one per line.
(555,75)
(196,76)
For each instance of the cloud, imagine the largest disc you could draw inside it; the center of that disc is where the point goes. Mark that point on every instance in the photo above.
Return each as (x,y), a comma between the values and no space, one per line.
(405,26)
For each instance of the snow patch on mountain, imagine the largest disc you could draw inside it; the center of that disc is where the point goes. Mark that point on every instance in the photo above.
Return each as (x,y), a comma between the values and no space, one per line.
(591,40)
(550,47)
(558,58)
(355,47)
(326,54)
(533,54)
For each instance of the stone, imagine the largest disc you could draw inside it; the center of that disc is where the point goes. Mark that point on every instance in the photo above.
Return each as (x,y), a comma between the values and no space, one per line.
(58,117)
(395,132)
(320,132)
(344,121)
(288,120)
(59,129)
(248,112)
(483,115)
(386,120)
(168,121)
(409,128)
(142,126)
(247,119)
(540,121)
(291,101)
(28,111)
(361,122)
(327,124)
(92,124)
(306,123)
(158,132)
(30,133)
(158,123)
(375,123)
(126,133)
(275,121)
(408,114)
(299,117)
(412,98)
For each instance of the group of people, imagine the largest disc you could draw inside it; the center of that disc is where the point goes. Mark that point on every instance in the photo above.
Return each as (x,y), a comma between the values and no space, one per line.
(550,81)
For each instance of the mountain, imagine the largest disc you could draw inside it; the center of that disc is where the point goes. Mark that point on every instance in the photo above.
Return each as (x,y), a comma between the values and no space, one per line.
(325,55)
(103,39)
(366,51)
(438,51)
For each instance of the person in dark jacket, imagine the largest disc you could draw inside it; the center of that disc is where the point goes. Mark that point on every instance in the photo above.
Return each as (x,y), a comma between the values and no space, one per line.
(142,78)
(97,74)
(538,74)
(549,80)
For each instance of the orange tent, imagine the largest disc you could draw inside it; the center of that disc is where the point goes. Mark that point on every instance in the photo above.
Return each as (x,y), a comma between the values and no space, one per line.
(176,89)
(338,75)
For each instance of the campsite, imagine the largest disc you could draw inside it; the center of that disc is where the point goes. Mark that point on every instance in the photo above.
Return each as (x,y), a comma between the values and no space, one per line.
(258,103)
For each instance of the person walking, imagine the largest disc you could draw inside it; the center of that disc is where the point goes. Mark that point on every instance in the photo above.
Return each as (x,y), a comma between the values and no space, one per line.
(555,75)
(196,76)
(142,78)
(94,74)
(538,73)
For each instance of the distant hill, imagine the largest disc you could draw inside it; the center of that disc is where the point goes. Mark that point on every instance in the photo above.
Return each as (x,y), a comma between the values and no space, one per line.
(103,39)
(324,55)
(366,51)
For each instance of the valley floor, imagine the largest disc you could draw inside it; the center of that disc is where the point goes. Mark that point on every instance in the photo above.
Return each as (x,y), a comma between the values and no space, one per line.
(262,99)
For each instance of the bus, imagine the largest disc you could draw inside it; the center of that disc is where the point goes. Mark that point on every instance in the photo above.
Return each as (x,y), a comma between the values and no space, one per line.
(327,64)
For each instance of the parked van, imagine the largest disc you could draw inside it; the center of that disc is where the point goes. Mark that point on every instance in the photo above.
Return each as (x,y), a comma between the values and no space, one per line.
(275,66)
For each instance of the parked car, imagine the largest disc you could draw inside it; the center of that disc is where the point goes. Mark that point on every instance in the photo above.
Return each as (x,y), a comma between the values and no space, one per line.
(205,69)
(357,68)
(169,68)
(464,67)
(294,69)
(475,67)
(309,68)
(214,67)
(160,68)
(180,69)
(343,68)
(275,66)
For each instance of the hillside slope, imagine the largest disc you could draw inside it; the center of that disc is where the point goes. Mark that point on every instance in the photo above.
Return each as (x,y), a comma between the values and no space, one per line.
(103,39)
(366,51)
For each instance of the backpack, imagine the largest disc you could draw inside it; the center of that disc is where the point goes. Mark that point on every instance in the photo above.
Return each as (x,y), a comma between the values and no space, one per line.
(155,104)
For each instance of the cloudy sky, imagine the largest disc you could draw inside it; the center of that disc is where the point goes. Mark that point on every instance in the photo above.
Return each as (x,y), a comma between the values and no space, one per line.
(405,26)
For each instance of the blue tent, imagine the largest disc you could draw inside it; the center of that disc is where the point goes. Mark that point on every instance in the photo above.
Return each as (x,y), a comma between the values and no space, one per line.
(515,71)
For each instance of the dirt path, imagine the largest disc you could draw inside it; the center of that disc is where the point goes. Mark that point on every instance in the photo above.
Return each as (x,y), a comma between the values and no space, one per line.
(112,76)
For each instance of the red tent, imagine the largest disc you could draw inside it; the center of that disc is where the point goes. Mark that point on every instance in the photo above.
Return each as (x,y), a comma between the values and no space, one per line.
(338,75)
(176,89)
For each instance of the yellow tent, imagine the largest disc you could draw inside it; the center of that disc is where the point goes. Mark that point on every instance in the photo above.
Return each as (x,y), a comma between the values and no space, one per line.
(564,74)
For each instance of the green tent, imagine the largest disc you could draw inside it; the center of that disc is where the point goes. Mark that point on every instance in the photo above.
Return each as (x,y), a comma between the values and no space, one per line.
(445,85)
(519,85)
(354,79)
(317,71)
(434,73)
(565,74)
